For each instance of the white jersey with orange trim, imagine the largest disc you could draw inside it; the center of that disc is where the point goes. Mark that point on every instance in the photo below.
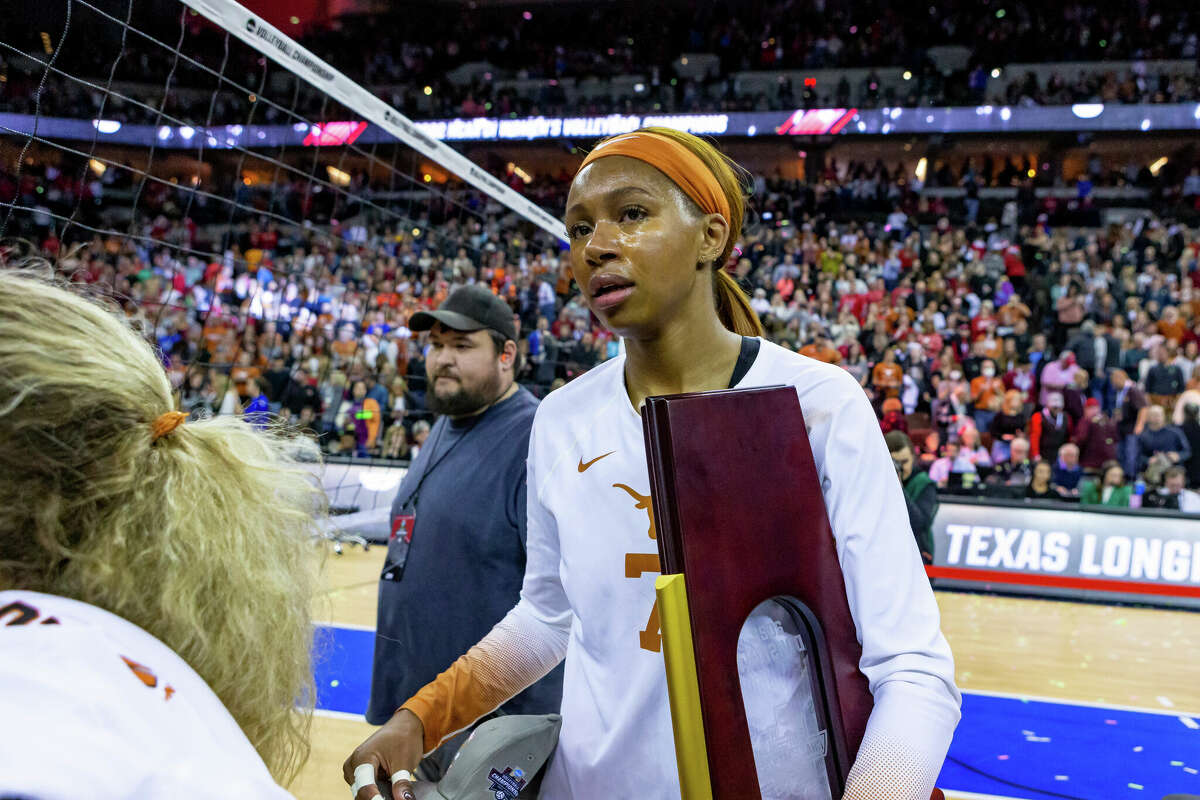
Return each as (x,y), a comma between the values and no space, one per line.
(589,591)
(94,707)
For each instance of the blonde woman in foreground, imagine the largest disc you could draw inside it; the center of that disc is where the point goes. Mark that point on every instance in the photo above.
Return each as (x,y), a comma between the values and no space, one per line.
(155,577)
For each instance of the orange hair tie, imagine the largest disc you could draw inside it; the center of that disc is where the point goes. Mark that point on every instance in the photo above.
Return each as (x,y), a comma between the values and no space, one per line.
(672,159)
(166,423)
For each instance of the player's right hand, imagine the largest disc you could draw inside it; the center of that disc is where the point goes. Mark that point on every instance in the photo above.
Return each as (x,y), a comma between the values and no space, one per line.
(398,745)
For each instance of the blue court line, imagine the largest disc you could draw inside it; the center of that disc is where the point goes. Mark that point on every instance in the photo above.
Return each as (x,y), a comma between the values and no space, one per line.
(1029,749)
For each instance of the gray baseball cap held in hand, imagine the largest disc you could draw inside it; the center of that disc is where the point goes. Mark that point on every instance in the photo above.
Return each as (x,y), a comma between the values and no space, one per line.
(498,761)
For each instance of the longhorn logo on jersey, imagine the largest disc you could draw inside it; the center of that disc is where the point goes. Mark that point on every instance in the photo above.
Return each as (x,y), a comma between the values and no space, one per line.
(638,564)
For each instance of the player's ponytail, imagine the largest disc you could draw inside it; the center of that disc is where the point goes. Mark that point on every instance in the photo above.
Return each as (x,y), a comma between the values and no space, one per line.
(199,533)
(733,306)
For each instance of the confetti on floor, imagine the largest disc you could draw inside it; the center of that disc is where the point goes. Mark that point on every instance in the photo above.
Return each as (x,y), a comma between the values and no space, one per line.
(1100,753)
(1165,702)
(1002,742)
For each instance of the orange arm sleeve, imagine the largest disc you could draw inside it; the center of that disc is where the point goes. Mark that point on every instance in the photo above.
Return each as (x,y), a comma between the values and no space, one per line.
(516,653)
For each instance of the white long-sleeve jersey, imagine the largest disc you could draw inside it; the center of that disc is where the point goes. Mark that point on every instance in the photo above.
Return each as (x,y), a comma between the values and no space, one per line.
(588,595)
(94,707)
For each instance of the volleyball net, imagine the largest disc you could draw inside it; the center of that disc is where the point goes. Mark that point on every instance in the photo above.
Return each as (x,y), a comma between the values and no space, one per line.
(252,207)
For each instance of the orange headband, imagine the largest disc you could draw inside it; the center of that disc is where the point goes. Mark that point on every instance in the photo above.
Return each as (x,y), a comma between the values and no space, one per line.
(672,159)
(166,423)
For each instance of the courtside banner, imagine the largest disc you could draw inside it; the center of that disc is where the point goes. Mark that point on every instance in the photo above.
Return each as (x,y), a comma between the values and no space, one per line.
(1068,552)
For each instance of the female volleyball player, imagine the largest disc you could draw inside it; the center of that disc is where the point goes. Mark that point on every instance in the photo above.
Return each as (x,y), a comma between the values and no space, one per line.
(155,575)
(652,216)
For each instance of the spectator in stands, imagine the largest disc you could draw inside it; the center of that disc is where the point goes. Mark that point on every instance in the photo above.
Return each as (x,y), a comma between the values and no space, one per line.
(1173,494)
(951,463)
(420,433)
(333,395)
(1050,428)
(1067,472)
(856,362)
(376,391)
(1191,432)
(1008,423)
(1161,445)
(929,450)
(822,350)
(398,402)
(276,377)
(951,405)
(1070,308)
(1040,487)
(1017,470)
(887,376)
(1164,380)
(893,416)
(1098,352)
(1023,379)
(198,395)
(243,372)
(1135,354)
(1129,412)
(1190,396)
(257,411)
(231,405)
(986,390)
(972,447)
(363,420)
(1097,437)
(1109,489)
(1057,376)
(299,394)
(1171,326)
(1075,396)
(920,492)
(1191,186)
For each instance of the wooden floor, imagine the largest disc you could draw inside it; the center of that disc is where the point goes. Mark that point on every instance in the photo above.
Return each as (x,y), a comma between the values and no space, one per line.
(1070,651)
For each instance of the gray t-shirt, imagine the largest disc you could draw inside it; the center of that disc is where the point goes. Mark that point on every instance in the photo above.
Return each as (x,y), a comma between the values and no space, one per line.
(466,559)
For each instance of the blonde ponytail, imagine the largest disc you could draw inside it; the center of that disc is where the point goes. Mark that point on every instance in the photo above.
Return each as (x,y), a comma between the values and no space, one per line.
(733,307)
(202,538)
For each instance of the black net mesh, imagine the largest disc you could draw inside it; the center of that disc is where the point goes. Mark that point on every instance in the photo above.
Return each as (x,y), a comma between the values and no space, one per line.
(270,241)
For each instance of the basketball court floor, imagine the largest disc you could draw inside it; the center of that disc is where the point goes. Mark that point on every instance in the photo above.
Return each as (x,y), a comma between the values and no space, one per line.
(1060,699)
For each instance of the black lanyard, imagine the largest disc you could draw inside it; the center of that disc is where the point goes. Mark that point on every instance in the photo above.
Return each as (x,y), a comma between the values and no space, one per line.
(413,496)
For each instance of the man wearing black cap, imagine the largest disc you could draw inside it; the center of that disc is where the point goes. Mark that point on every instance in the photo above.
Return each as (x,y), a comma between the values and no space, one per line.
(456,556)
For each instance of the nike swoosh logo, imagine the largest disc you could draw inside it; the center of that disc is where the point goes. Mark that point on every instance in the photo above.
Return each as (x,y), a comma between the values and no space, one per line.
(583,466)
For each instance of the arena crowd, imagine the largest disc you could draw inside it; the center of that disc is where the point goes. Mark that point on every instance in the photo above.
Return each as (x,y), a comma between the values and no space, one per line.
(997,348)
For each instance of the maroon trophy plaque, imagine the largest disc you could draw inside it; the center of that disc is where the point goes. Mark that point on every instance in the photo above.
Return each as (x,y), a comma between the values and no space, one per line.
(739,512)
